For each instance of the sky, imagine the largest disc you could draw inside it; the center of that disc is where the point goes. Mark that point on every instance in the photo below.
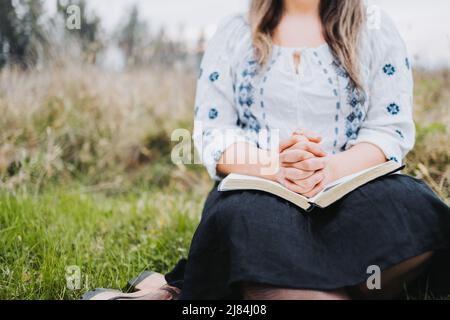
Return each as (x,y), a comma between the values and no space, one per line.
(425,25)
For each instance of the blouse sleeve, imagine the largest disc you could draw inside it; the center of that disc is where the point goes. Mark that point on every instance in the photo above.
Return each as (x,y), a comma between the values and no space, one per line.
(389,121)
(216,117)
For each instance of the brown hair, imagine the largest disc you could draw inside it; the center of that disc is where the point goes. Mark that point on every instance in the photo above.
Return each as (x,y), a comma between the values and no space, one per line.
(342,22)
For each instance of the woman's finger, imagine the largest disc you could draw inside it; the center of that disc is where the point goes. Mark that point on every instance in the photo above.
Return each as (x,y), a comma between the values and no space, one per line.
(287,143)
(295,155)
(314,192)
(312,147)
(312,164)
(292,186)
(310,135)
(292,174)
(307,185)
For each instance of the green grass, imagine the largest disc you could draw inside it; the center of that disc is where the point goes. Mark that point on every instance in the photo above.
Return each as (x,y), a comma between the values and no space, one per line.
(110,238)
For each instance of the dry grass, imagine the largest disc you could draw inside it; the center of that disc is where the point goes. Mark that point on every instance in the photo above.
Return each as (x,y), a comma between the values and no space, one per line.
(430,159)
(92,124)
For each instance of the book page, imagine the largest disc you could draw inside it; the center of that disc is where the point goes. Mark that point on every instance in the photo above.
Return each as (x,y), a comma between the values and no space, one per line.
(331,193)
(242,182)
(343,180)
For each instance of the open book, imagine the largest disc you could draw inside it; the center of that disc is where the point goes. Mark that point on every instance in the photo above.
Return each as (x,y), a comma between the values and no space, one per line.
(331,193)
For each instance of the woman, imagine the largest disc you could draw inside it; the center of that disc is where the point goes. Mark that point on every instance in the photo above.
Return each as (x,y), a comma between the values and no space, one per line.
(316,65)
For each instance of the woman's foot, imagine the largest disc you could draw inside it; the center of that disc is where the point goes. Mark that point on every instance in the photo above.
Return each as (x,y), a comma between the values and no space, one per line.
(147,280)
(154,282)
(147,286)
(164,293)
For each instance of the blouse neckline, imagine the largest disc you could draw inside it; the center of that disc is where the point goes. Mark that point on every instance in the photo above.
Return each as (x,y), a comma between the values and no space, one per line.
(291,49)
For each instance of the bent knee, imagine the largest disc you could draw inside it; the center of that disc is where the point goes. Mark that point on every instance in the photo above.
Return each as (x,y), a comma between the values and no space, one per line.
(393,279)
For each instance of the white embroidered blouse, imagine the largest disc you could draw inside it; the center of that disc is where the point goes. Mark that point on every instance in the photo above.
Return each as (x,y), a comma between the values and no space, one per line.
(237,99)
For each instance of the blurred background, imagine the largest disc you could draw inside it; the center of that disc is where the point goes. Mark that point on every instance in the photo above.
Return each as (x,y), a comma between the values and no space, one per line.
(86,118)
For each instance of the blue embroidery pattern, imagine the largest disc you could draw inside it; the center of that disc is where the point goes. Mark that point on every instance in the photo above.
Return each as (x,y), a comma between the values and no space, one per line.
(249,122)
(265,80)
(213,113)
(400,134)
(217,155)
(340,71)
(393,109)
(246,98)
(196,111)
(214,76)
(356,100)
(393,159)
(353,124)
(246,88)
(262,91)
(200,73)
(389,69)
(207,133)
(407,63)
(246,91)
(353,97)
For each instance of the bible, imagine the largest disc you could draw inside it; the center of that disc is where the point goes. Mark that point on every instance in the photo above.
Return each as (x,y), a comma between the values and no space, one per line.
(329,195)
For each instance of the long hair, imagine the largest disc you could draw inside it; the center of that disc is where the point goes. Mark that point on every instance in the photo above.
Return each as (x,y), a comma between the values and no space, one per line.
(342,22)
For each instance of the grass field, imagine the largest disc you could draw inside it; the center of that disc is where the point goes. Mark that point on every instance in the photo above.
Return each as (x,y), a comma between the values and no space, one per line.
(111,239)
(86,178)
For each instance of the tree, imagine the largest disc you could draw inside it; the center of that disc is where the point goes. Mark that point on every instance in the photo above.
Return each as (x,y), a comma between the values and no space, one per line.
(88,36)
(141,47)
(132,38)
(22,33)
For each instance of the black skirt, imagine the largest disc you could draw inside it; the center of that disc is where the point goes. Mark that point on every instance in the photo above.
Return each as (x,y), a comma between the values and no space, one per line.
(256,237)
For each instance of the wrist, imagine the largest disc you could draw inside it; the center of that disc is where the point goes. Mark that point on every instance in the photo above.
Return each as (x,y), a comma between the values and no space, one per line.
(269,167)
(333,169)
